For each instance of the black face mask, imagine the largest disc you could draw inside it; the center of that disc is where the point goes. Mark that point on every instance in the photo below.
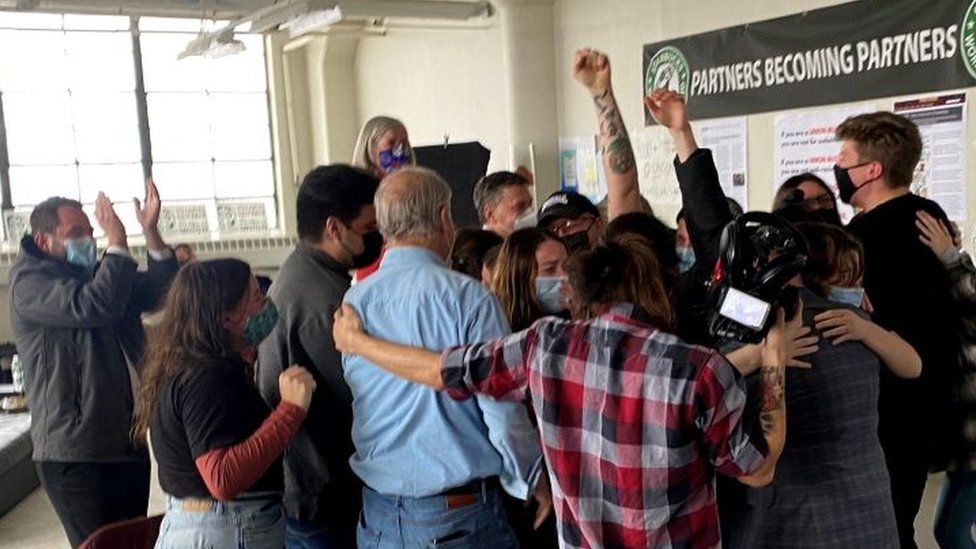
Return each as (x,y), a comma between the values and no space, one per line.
(577,241)
(846,189)
(372,248)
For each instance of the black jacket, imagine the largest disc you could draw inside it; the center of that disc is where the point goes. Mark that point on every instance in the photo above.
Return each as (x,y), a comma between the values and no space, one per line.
(320,487)
(706,214)
(76,334)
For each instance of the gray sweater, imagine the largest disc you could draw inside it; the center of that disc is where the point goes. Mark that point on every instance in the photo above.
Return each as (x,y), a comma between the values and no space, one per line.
(320,487)
(76,333)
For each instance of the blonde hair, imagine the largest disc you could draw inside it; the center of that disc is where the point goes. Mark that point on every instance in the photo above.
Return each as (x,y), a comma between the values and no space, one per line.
(372,130)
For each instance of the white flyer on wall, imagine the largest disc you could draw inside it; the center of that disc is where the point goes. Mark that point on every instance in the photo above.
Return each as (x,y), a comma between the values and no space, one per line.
(804,142)
(567,164)
(654,154)
(588,168)
(941,173)
(727,137)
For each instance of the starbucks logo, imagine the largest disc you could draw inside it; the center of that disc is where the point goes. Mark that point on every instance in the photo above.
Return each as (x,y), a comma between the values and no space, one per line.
(969,39)
(669,69)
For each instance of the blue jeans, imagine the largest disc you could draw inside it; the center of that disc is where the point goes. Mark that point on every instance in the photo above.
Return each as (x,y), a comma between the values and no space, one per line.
(302,535)
(399,521)
(955,514)
(253,523)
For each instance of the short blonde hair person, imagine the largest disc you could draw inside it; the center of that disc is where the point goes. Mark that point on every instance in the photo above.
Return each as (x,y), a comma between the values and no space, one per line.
(373,130)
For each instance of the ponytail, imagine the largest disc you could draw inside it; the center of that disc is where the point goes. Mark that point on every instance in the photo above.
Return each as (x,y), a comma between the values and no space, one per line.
(623,269)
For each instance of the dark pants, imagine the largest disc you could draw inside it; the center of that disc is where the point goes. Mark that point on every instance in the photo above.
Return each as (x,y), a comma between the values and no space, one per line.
(304,535)
(87,496)
(521,516)
(908,471)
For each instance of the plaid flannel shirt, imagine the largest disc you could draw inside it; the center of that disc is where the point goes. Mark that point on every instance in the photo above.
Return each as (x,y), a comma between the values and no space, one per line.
(634,423)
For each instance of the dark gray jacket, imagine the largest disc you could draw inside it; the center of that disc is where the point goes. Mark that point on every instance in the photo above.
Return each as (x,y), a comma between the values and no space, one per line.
(75,332)
(320,487)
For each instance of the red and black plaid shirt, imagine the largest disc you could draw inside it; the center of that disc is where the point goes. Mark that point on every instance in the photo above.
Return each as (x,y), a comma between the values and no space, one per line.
(633,422)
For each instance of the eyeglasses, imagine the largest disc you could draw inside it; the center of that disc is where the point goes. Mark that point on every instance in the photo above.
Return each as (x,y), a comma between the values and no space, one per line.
(823,201)
(573,226)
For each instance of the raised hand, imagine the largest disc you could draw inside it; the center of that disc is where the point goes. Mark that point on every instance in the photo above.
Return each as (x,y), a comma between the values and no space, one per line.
(592,69)
(109,221)
(148,212)
(296,386)
(668,108)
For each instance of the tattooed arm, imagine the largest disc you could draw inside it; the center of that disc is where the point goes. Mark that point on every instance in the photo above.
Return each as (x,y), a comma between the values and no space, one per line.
(772,407)
(592,69)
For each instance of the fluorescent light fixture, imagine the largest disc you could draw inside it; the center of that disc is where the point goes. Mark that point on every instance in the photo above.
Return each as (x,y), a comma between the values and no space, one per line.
(225,44)
(271,17)
(313,21)
(213,46)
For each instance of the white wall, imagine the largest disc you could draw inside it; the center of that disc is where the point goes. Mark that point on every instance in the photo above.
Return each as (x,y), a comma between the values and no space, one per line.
(622,27)
(448,81)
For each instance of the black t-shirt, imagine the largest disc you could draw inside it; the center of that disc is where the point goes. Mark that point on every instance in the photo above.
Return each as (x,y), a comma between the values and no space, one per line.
(909,288)
(207,406)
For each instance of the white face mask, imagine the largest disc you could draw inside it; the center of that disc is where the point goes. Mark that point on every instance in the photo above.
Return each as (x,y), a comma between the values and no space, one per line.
(548,291)
(526,220)
(849,296)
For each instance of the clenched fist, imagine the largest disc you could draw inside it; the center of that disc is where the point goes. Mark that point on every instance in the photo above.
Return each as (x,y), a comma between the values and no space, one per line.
(592,69)
(296,386)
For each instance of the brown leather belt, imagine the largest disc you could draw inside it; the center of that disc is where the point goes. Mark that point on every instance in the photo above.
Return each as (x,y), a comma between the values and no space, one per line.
(470,493)
(195,505)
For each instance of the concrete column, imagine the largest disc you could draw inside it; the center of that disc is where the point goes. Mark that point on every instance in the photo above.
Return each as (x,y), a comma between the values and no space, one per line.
(314,108)
(528,53)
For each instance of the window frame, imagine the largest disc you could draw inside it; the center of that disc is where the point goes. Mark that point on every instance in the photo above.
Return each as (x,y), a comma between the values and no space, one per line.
(145,139)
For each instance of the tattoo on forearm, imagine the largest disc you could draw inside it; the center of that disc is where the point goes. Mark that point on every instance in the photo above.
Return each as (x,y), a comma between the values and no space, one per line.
(616,143)
(772,397)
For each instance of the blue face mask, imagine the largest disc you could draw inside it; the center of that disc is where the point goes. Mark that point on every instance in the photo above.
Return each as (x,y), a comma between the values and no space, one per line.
(260,324)
(548,293)
(394,159)
(849,296)
(81,252)
(686,258)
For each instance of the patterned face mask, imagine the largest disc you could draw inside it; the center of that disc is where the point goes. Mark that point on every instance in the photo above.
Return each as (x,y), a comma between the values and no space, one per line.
(393,159)
(260,324)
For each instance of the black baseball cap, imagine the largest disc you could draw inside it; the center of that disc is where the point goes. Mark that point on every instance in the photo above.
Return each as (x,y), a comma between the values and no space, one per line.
(565,204)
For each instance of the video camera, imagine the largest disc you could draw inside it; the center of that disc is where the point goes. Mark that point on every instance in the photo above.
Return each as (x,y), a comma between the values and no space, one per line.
(758,254)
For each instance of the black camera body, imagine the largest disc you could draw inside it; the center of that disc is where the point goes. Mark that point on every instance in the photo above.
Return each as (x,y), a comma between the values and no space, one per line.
(758,254)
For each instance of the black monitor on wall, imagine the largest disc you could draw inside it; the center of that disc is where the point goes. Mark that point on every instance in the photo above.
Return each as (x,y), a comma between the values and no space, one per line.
(462,165)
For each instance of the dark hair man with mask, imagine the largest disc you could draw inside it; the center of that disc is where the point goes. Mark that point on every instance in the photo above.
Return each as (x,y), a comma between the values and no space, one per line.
(504,202)
(572,217)
(909,290)
(337,232)
(76,321)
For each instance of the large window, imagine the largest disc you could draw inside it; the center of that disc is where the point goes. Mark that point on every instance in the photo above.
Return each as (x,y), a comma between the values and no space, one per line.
(72,89)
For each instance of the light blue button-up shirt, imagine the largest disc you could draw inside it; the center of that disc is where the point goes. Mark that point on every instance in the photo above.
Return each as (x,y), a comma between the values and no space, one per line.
(411,440)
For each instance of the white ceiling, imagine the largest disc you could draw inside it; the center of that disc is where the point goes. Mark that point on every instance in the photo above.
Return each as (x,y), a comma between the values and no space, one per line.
(220,9)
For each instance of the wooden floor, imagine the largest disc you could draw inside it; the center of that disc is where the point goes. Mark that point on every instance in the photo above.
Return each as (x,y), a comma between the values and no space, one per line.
(33,524)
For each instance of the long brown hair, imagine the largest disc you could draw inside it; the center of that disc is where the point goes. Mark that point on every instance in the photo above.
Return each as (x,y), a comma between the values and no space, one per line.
(192,330)
(622,270)
(513,277)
